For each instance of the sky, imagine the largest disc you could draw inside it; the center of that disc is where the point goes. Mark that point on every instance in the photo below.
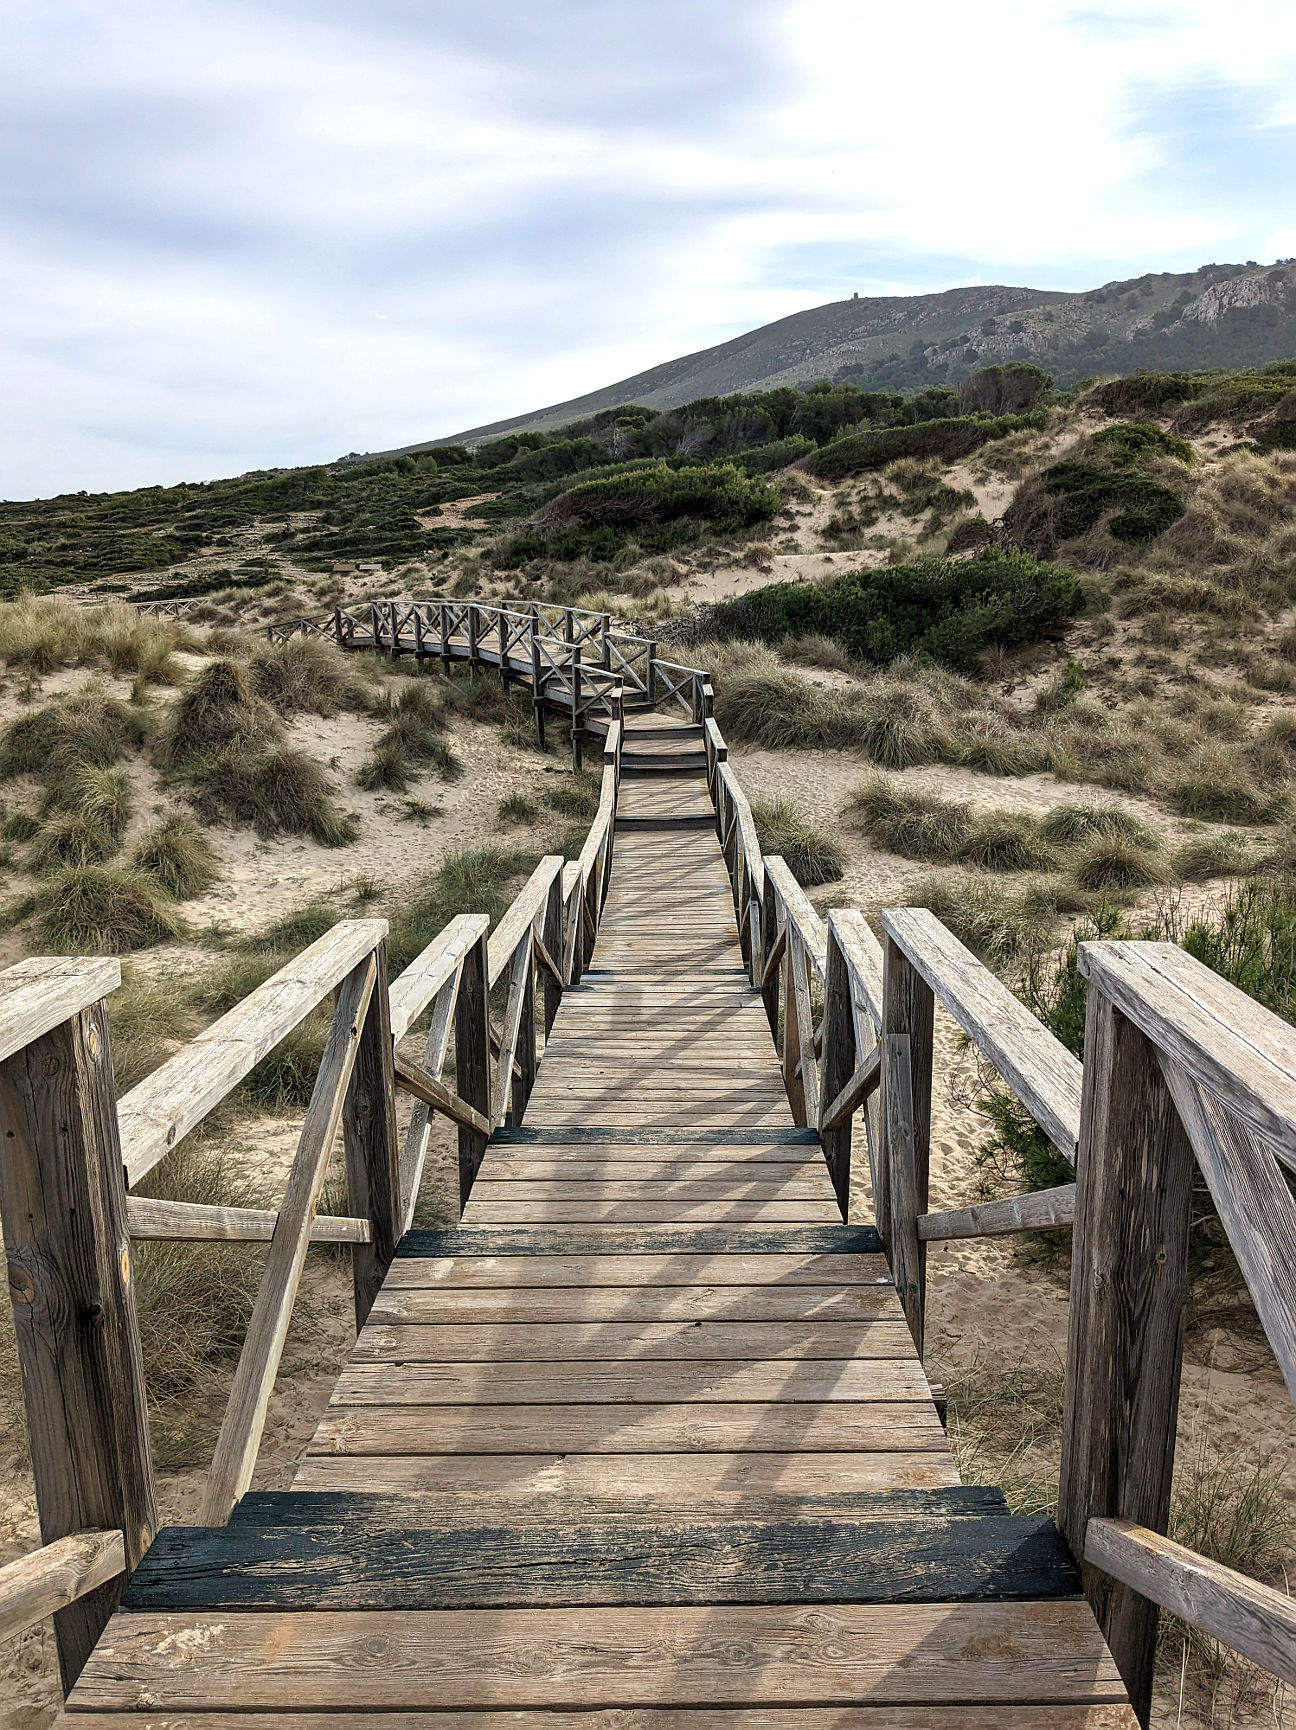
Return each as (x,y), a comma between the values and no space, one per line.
(239,234)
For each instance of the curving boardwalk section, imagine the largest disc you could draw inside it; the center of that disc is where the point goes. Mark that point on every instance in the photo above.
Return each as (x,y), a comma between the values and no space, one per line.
(643,1445)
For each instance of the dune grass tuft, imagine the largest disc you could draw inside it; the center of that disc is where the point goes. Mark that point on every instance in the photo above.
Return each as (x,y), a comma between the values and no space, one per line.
(516,808)
(414,737)
(914,825)
(219,710)
(1112,862)
(40,634)
(1207,856)
(1216,785)
(474,880)
(1007,841)
(98,910)
(1072,825)
(811,856)
(997,924)
(276,790)
(307,676)
(69,838)
(179,856)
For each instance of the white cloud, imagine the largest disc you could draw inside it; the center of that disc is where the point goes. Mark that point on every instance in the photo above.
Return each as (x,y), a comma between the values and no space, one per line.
(238,234)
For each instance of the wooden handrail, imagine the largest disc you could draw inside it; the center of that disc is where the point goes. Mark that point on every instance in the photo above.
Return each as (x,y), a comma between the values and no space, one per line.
(38,994)
(799,914)
(412,990)
(513,928)
(1037,1067)
(1037,1210)
(158,1113)
(58,1574)
(195,1222)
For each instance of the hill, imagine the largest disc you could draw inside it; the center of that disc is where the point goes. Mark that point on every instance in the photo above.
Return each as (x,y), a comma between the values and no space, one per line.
(1221,315)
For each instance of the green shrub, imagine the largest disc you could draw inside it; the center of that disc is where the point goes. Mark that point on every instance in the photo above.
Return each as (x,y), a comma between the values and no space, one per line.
(1130,440)
(1145,508)
(948,609)
(68,838)
(99,909)
(179,856)
(811,856)
(276,789)
(856,453)
(914,825)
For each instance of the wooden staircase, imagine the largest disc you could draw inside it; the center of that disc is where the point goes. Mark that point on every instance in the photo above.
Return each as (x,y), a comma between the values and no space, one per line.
(645,1443)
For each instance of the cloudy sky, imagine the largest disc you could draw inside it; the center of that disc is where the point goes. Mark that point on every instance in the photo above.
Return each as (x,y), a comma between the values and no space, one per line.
(243,233)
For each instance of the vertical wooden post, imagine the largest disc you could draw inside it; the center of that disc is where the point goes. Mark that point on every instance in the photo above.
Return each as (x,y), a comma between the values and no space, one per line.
(443,622)
(63,1199)
(472,1060)
(577,758)
(605,625)
(537,679)
(838,1066)
(770,992)
(337,625)
(503,648)
(372,1153)
(792,1080)
(650,670)
(472,641)
(907,1031)
(524,1080)
(551,933)
(1129,1287)
(420,654)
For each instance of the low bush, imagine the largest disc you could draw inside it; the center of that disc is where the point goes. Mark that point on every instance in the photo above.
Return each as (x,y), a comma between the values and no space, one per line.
(949,610)
(811,856)
(179,856)
(857,453)
(85,731)
(307,676)
(99,909)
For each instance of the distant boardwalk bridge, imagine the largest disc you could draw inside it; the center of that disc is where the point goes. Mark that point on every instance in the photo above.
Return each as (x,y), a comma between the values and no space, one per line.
(645,1440)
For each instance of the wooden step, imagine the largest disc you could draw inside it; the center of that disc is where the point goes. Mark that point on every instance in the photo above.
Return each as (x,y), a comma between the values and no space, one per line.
(483,1240)
(903,1560)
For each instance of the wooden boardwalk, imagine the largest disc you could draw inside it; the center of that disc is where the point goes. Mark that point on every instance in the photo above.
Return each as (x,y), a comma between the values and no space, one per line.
(645,1443)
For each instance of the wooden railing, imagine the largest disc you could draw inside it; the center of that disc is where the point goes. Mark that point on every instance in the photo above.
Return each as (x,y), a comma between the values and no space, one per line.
(575,663)
(1182,1072)
(72,1157)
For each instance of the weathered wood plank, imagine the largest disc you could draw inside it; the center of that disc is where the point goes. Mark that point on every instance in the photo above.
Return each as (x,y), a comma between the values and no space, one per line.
(416,1080)
(195,1222)
(51,1578)
(370,1153)
(1037,1067)
(641,1342)
(491,1211)
(618,1241)
(907,1023)
(614,1657)
(1039,1210)
(857,1717)
(412,990)
(637,1304)
(254,1377)
(42,992)
(677,1270)
(527,908)
(721,1428)
(180,1092)
(1243,1615)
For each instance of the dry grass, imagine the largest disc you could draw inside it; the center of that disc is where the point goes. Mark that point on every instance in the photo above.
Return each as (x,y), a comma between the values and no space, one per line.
(40,634)
(179,856)
(1114,862)
(98,910)
(812,857)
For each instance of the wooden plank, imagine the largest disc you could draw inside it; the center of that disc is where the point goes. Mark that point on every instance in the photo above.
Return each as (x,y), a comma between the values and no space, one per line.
(42,992)
(1225,1039)
(194,1222)
(674,1270)
(258,1365)
(720,1428)
(528,907)
(1255,1206)
(615,1657)
(698,1240)
(57,1575)
(418,1136)
(907,1034)
(719,1185)
(490,1211)
(858,1717)
(1039,1210)
(372,1160)
(1129,1288)
(862,1082)
(412,990)
(1038,1068)
(1243,1615)
(622,1383)
(637,1304)
(961,1558)
(180,1092)
(703,1340)
(809,926)
(63,1204)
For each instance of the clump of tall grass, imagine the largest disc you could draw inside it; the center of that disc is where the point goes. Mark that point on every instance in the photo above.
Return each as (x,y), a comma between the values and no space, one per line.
(307,676)
(86,730)
(98,909)
(1207,856)
(811,856)
(997,924)
(914,825)
(1072,825)
(1007,841)
(516,808)
(40,634)
(1215,784)
(219,711)
(575,796)
(1114,862)
(178,855)
(475,880)
(148,1016)
(415,736)
(277,790)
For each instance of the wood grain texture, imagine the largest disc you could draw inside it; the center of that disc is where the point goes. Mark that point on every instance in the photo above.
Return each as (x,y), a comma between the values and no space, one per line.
(641,1342)
(51,1578)
(622,1305)
(194,1222)
(412,990)
(39,993)
(1038,1210)
(63,1204)
(857,1717)
(1129,1286)
(606,1657)
(1039,1069)
(181,1091)
(1243,1615)
(370,1153)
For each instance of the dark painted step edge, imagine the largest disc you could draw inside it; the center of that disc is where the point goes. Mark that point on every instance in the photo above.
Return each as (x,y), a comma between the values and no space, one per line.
(642,1240)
